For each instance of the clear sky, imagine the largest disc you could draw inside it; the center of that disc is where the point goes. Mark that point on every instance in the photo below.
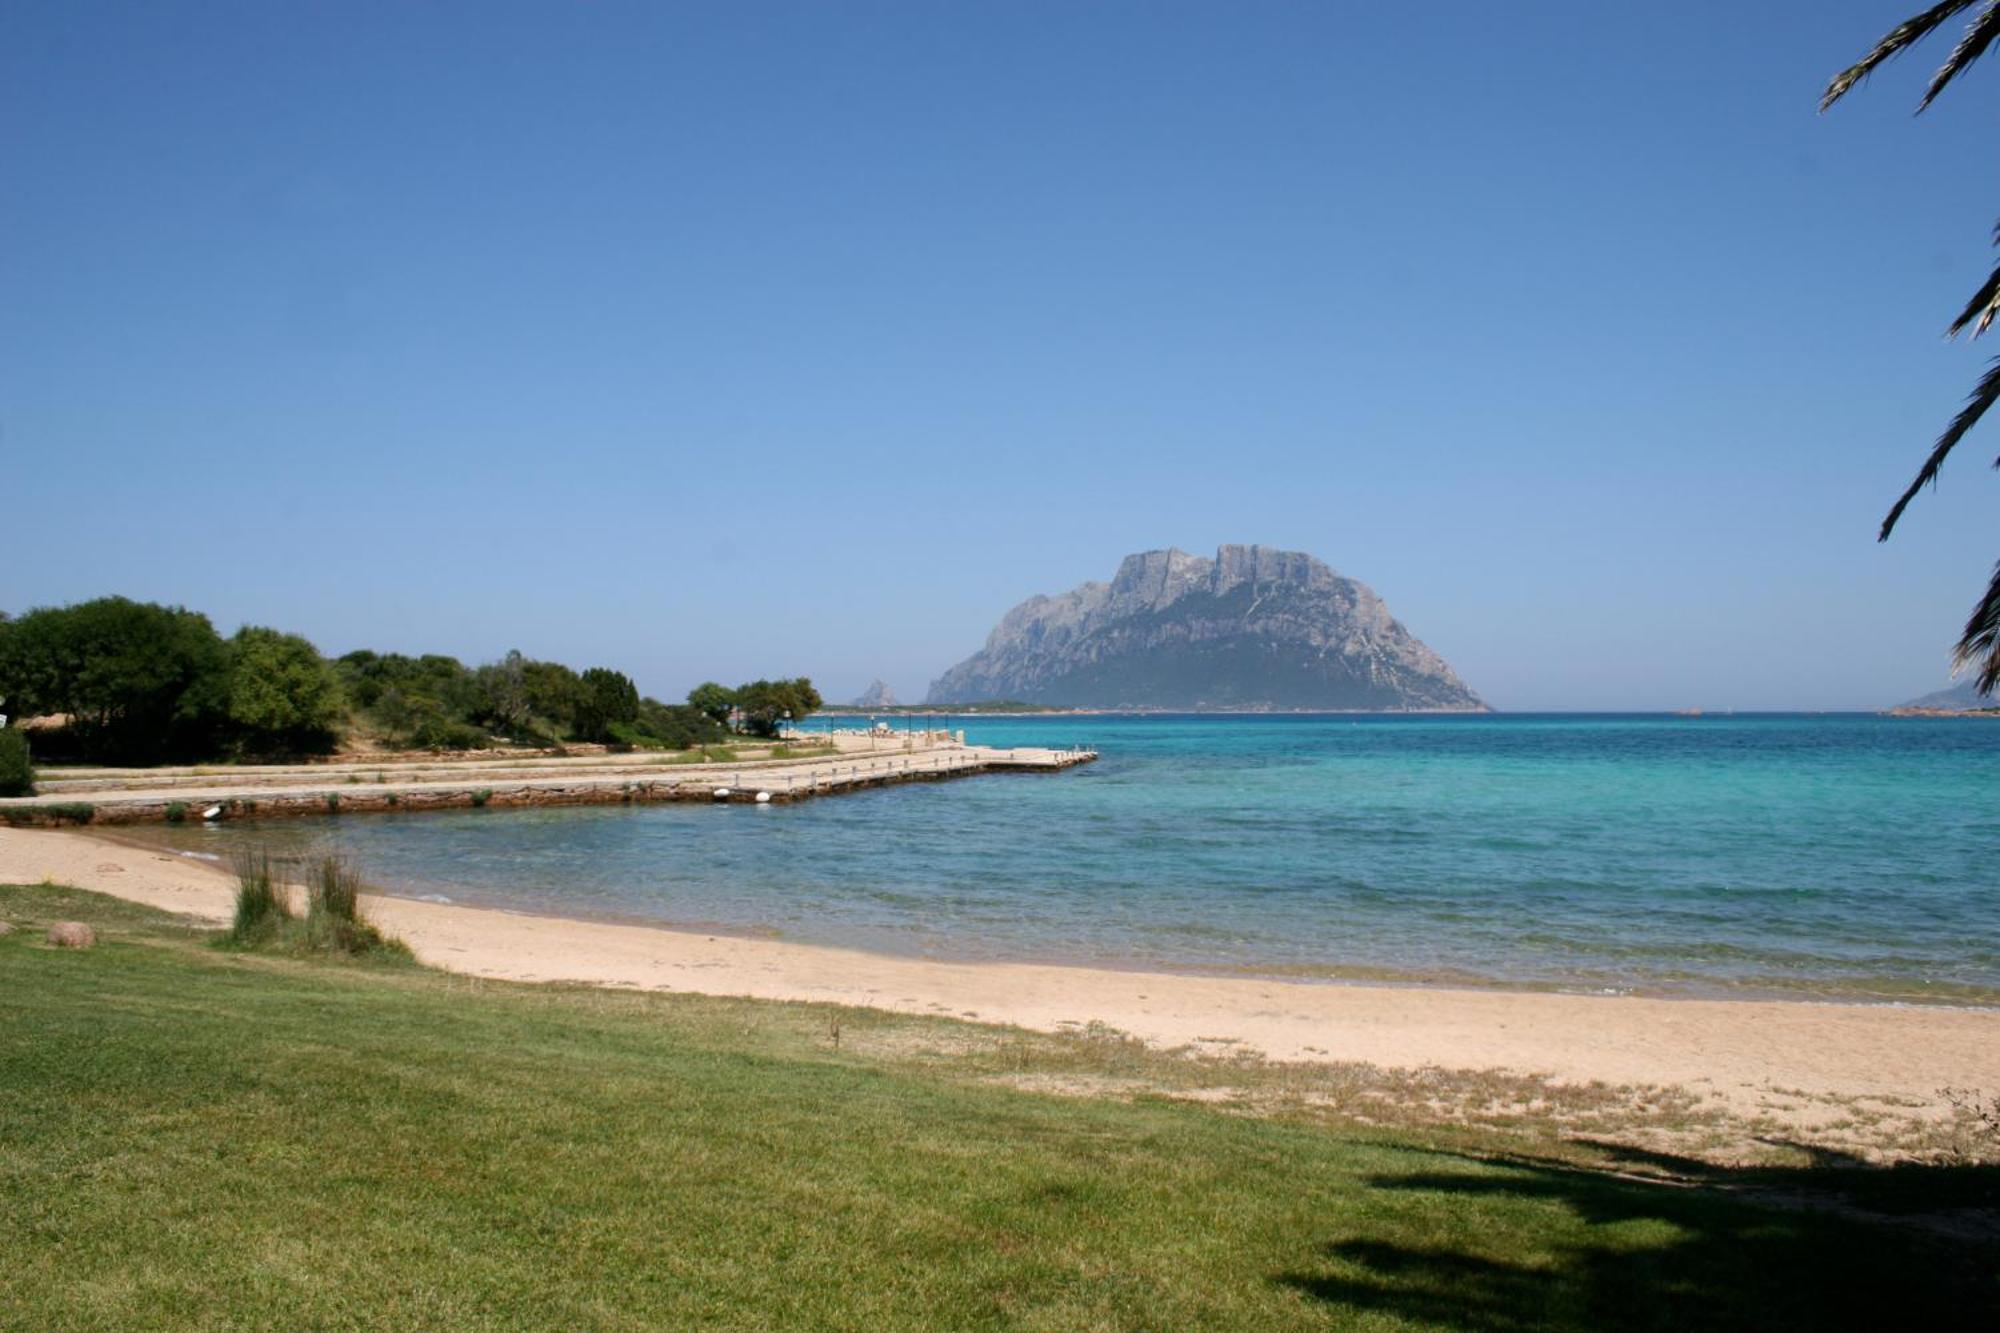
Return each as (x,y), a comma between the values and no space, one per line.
(731,340)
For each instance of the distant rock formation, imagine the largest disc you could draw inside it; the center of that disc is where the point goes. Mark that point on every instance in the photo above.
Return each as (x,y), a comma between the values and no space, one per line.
(1960,697)
(877,695)
(1253,629)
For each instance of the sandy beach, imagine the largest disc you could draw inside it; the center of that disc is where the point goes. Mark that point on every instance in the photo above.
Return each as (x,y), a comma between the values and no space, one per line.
(1798,1064)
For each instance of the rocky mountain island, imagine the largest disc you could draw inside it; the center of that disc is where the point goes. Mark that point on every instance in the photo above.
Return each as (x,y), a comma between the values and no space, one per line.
(877,695)
(1253,629)
(1963,697)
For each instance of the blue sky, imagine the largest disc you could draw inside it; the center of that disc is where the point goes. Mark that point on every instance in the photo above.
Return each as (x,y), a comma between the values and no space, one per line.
(741,340)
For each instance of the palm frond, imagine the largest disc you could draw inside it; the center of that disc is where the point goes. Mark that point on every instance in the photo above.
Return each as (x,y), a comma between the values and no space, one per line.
(1982,637)
(1980,311)
(1983,396)
(1979,36)
(1901,38)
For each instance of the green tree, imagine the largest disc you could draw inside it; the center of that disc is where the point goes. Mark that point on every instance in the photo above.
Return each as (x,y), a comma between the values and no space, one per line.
(283,696)
(1980,642)
(137,681)
(554,694)
(712,699)
(766,704)
(608,699)
(396,712)
(17,770)
(503,688)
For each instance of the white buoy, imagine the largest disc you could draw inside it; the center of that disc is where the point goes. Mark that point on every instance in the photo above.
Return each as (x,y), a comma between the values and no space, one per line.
(763,798)
(722,793)
(212,812)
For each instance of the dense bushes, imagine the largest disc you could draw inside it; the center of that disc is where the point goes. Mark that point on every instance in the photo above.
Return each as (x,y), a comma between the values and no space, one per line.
(667,727)
(139,683)
(439,703)
(17,773)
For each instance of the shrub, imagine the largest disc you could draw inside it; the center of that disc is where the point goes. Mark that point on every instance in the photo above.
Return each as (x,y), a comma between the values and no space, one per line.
(283,697)
(441,733)
(631,736)
(335,891)
(481,797)
(675,726)
(606,698)
(332,799)
(177,812)
(333,913)
(64,812)
(260,905)
(17,773)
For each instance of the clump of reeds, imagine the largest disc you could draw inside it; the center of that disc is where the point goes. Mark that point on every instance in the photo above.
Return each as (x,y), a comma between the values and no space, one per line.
(333,912)
(333,921)
(261,910)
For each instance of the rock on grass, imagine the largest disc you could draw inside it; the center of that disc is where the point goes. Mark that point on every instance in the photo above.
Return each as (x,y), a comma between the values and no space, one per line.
(71,935)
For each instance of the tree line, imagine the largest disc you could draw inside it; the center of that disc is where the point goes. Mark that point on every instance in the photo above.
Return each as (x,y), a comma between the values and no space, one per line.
(139,683)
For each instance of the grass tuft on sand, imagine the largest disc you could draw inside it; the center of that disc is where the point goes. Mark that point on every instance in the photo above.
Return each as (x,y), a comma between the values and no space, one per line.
(197,1137)
(333,921)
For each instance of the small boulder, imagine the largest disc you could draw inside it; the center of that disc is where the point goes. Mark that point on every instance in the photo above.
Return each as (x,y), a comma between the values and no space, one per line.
(6,929)
(71,935)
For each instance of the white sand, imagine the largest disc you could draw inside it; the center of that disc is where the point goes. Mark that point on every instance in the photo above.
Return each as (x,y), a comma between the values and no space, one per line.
(1749,1056)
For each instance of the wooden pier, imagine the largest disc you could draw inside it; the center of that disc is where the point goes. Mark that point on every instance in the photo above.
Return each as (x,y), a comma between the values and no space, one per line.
(193,795)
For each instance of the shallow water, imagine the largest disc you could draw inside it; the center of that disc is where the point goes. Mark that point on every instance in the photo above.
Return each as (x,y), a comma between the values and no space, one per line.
(1830,855)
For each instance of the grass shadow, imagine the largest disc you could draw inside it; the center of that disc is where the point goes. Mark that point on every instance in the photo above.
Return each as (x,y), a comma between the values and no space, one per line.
(1831,1245)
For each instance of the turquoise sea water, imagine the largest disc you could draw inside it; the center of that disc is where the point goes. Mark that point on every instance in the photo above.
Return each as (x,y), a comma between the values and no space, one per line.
(1834,855)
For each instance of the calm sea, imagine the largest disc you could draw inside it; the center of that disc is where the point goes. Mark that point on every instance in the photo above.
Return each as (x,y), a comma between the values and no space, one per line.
(1802,855)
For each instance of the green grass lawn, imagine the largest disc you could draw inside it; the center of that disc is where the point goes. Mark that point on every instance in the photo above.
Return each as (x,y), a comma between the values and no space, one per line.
(191,1137)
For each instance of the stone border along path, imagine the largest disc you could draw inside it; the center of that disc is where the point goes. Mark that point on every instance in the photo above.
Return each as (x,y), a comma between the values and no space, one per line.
(150,796)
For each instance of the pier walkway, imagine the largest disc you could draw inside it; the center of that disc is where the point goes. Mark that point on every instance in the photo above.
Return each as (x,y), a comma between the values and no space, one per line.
(851,762)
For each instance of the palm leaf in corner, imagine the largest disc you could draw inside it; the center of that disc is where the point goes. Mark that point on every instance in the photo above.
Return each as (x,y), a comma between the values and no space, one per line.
(1984,395)
(1979,35)
(1901,38)
(1980,643)
(1982,638)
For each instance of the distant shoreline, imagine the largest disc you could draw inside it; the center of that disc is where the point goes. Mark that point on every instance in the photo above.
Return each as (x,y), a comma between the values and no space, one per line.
(961,710)
(1941,712)
(964,710)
